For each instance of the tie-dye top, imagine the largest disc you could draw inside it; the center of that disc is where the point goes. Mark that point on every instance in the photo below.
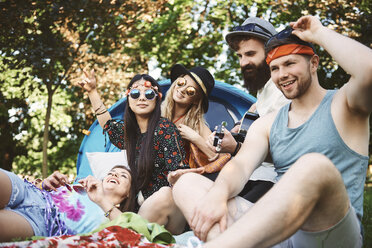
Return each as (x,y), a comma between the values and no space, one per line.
(77,211)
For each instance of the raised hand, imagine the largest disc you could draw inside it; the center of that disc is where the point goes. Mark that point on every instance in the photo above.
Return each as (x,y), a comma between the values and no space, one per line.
(55,181)
(88,81)
(306,28)
(94,189)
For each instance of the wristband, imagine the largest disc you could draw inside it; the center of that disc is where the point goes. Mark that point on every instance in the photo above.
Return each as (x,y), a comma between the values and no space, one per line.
(107,214)
(237,123)
(98,107)
(237,148)
(102,112)
(41,185)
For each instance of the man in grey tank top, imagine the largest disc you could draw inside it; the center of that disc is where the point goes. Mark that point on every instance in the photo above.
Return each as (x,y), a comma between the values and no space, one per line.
(319,145)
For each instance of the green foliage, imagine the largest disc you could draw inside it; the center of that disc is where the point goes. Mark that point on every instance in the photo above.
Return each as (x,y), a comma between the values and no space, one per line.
(367,217)
(54,39)
(14,115)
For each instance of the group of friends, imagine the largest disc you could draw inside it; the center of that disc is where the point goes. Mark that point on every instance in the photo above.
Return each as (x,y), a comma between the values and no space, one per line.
(316,139)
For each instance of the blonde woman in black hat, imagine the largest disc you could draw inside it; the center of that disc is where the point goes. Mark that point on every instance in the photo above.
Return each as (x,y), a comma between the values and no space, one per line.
(185,104)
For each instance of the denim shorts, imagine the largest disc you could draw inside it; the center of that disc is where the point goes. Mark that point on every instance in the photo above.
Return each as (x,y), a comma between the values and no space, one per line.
(27,201)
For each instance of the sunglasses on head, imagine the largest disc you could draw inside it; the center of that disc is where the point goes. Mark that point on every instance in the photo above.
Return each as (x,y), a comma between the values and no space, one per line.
(253,27)
(281,35)
(150,94)
(190,91)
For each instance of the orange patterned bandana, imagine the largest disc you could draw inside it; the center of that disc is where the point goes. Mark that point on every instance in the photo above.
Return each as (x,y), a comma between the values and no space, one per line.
(286,50)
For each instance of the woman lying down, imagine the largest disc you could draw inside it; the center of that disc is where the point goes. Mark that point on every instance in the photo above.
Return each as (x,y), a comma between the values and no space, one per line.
(59,208)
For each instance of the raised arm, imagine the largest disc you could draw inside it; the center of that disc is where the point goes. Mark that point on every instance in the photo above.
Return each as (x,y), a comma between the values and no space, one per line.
(89,84)
(352,56)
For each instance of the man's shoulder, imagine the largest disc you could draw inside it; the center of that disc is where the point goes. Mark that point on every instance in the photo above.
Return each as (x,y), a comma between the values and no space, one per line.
(265,122)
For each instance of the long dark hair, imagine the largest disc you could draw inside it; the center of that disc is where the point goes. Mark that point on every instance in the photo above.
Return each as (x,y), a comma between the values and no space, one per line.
(129,203)
(142,168)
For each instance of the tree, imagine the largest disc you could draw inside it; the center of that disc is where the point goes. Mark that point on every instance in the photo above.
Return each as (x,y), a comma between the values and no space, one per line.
(47,36)
(56,39)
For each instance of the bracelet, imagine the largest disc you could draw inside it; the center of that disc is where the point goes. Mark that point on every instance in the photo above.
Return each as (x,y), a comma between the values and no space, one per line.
(213,159)
(102,112)
(41,185)
(98,107)
(237,123)
(107,214)
(237,148)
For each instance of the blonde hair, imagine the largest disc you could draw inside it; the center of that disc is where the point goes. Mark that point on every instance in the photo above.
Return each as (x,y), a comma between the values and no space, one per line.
(194,117)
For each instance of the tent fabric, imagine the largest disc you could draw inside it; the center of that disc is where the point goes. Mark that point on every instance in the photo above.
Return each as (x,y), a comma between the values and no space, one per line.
(226,103)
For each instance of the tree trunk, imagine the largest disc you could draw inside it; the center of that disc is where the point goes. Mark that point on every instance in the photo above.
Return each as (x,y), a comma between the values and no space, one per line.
(46,133)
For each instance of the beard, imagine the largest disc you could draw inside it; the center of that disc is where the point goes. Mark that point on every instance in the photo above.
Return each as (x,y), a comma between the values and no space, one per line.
(302,88)
(255,79)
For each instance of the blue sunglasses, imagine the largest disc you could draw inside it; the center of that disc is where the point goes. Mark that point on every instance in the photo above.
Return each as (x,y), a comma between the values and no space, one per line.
(150,94)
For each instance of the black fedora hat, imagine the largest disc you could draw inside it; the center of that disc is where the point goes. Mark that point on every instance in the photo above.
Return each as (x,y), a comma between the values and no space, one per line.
(200,75)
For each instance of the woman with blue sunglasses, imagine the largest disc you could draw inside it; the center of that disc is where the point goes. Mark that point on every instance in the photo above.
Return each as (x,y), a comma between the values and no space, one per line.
(153,144)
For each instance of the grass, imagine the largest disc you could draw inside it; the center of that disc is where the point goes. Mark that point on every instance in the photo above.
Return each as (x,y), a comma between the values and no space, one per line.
(367,217)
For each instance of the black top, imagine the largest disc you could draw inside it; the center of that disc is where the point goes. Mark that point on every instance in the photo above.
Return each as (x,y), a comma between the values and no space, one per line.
(168,150)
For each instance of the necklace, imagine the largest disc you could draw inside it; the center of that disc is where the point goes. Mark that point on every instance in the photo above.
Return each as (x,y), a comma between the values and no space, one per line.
(178,119)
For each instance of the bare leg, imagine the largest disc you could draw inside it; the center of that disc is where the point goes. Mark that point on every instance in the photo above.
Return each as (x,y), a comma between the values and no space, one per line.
(191,187)
(304,198)
(12,225)
(5,189)
(160,208)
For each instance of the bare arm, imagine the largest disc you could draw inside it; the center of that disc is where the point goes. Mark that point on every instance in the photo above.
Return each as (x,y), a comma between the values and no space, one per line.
(353,57)
(96,194)
(198,139)
(232,178)
(252,153)
(89,84)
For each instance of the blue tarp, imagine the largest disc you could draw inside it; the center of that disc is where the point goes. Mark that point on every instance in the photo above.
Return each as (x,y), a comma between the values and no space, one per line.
(226,103)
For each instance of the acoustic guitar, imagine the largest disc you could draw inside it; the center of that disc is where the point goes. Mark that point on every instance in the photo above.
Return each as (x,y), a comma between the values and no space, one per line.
(246,122)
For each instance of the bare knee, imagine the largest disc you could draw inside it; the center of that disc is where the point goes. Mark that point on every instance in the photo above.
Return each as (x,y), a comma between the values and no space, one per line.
(314,168)
(190,183)
(162,199)
(321,181)
(318,178)
(158,206)
(186,180)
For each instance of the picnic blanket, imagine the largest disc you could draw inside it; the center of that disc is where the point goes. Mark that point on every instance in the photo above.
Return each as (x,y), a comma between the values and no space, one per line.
(128,230)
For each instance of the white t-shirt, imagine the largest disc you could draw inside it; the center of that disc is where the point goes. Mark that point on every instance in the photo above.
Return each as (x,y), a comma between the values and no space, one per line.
(269,99)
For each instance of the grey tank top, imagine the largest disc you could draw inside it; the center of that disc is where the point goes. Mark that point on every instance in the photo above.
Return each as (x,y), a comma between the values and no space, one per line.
(319,134)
